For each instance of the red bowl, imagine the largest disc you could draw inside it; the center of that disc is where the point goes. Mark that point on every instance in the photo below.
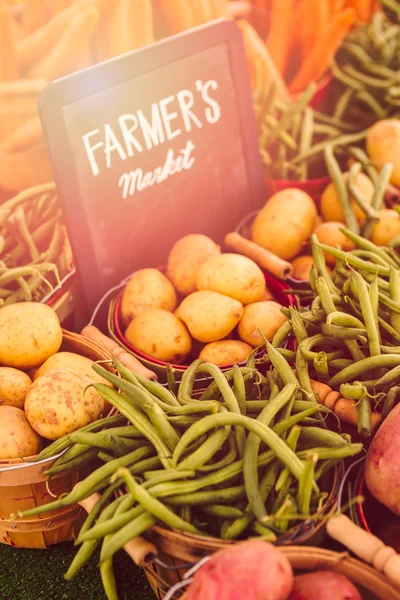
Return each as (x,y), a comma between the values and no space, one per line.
(312,187)
(276,287)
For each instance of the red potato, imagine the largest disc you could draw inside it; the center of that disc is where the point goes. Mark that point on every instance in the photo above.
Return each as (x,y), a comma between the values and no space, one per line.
(323,585)
(382,467)
(252,570)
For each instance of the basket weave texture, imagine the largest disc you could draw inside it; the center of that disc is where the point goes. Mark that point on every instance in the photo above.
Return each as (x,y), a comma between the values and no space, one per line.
(23,485)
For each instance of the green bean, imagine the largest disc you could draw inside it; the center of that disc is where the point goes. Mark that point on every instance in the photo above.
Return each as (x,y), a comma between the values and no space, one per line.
(239,388)
(342,319)
(301,405)
(298,326)
(221,511)
(343,102)
(370,256)
(264,532)
(363,366)
(269,437)
(185,389)
(320,364)
(284,477)
(212,391)
(348,81)
(390,400)
(364,416)
(306,139)
(359,199)
(112,524)
(343,333)
(64,442)
(138,419)
(390,349)
(153,387)
(340,186)
(352,391)
(228,396)
(394,291)
(206,451)
(389,329)
(102,440)
(108,579)
(368,80)
(360,290)
(281,365)
(354,261)
(362,156)
(316,435)
(147,403)
(171,381)
(379,192)
(288,423)
(86,550)
(84,488)
(329,453)
(152,505)
(284,513)
(167,476)
(303,376)
(131,530)
(85,458)
(366,98)
(306,484)
(250,472)
(227,459)
(325,296)
(228,495)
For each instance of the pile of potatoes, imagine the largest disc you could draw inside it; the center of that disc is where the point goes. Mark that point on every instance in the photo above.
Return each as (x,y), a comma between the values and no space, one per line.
(285,223)
(208,305)
(44,393)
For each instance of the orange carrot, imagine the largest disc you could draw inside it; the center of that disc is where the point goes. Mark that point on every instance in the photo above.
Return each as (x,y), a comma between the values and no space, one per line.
(28,134)
(8,60)
(311,18)
(336,6)
(61,59)
(363,8)
(280,34)
(130,26)
(40,42)
(34,16)
(318,61)
(202,11)
(238,9)
(178,14)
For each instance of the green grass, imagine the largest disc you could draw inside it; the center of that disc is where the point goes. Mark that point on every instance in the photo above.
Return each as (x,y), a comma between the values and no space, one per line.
(38,575)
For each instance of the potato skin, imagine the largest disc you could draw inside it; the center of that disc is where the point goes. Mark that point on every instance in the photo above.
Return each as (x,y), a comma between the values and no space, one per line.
(331,209)
(209,316)
(387,228)
(161,335)
(17,438)
(226,352)
(234,275)
(383,145)
(285,223)
(301,267)
(147,288)
(14,385)
(185,258)
(30,332)
(58,403)
(265,316)
(69,361)
(329,233)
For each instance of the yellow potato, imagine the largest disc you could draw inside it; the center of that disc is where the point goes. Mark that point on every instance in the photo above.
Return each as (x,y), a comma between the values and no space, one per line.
(387,228)
(60,402)
(14,385)
(209,316)
(383,146)
(186,257)
(69,361)
(30,332)
(331,209)
(226,352)
(147,288)
(329,233)
(285,223)
(161,335)
(233,275)
(302,266)
(263,316)
(17,438)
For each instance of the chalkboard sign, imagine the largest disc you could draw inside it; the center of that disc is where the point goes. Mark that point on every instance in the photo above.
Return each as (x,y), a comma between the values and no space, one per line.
(150,146)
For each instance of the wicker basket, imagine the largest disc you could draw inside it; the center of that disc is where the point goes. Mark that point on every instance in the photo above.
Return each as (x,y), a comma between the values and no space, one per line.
(372,584)
(175,548)
(23,485)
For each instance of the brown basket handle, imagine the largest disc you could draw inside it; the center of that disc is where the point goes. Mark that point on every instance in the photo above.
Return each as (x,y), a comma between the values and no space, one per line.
(141,551)
(128,360)
(366,546)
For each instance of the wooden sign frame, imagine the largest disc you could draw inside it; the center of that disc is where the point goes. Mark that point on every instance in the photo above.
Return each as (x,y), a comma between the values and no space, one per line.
(75,87)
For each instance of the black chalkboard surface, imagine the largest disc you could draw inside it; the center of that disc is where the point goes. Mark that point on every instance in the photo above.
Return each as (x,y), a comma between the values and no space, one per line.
(150,146)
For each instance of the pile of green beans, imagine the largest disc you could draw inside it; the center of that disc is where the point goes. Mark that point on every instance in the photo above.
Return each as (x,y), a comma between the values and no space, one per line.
(249,457)
(293,136)
(348,330)
(34,252)
(367,71)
